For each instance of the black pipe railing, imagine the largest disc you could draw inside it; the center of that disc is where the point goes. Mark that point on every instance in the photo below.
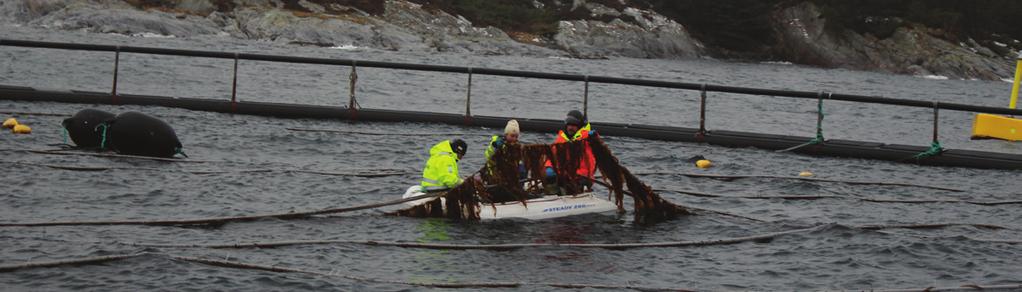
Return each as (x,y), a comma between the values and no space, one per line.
(514,73)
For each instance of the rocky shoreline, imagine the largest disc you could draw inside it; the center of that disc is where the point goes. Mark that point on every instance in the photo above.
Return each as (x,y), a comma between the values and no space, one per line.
(594,30)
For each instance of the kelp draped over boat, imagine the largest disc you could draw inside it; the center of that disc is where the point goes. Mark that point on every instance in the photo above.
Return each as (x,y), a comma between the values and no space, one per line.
(502,174)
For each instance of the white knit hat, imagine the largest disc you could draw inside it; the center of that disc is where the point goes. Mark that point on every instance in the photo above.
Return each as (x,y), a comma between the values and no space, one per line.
(512,127)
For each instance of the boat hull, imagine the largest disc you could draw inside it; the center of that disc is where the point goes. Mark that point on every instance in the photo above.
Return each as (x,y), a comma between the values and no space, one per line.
(547,207)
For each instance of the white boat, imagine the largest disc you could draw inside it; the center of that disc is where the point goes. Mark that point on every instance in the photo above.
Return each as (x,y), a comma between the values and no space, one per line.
(535,209)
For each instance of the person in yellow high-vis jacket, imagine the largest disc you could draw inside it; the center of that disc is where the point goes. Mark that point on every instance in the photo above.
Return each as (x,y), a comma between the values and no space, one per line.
(441,170)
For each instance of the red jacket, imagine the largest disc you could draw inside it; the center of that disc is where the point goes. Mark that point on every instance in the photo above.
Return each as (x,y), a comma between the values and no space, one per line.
(587,164)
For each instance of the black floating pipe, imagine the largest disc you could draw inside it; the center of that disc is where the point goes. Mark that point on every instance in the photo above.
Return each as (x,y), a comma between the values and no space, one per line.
(846,148)
(511,73)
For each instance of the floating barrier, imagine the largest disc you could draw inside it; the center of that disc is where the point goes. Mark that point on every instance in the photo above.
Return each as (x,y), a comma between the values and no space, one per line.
(932,155)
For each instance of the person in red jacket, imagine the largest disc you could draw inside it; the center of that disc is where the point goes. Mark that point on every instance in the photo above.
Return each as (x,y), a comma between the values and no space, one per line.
(587,165)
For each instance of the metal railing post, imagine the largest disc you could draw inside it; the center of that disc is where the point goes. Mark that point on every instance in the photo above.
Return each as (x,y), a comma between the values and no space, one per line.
(585,98)
(234,85)
(117,64)
(468,95)
(936,118)
(702,112)
(352,79)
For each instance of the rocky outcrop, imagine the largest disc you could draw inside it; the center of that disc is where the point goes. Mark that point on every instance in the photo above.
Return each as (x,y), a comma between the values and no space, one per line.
(795,31)
(908,49)
(630,33)
(402,25)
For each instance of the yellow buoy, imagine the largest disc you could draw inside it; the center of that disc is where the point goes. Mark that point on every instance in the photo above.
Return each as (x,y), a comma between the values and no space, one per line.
(703,163)
(10,123)
(22,129)
(805,174)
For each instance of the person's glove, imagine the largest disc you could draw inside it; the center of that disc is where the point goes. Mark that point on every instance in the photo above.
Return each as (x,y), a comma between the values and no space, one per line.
(550,172)
(498,143)
(592,132)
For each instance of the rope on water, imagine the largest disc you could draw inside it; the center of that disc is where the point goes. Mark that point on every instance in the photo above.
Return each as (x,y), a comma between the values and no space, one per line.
(222,220)
(370,173)
(956,237)
(817,197)
(506,246)
(65,152)
(70,262)
(280,269)
(966,287)
(727,214)
(851,182)
(927,226)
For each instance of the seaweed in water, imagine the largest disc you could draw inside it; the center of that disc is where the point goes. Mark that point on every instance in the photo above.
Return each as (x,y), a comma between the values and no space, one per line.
(502,174)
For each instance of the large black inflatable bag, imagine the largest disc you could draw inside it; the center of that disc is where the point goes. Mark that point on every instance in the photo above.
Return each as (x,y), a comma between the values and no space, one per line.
(134,133)
(82,127)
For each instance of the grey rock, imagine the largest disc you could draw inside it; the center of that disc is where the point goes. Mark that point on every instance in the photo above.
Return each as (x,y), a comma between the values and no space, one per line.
(909,50)
(13,11)
(197,7)
(654,36)
(125,20)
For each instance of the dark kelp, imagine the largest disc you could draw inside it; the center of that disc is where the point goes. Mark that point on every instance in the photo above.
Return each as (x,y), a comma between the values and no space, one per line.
(502,171)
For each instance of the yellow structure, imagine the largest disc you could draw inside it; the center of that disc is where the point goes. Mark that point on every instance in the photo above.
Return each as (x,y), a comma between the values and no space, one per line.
(10,123)
(987,126)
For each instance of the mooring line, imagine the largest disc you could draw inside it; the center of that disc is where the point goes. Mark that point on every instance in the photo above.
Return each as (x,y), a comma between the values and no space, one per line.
(65,152)
(505,246)
(381,172)
(224,263)
(69,262)
(817,197)
(223,220)
(725,213)
(616,246)
(965,287)
(928,226)
(955,237)
(852,182)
